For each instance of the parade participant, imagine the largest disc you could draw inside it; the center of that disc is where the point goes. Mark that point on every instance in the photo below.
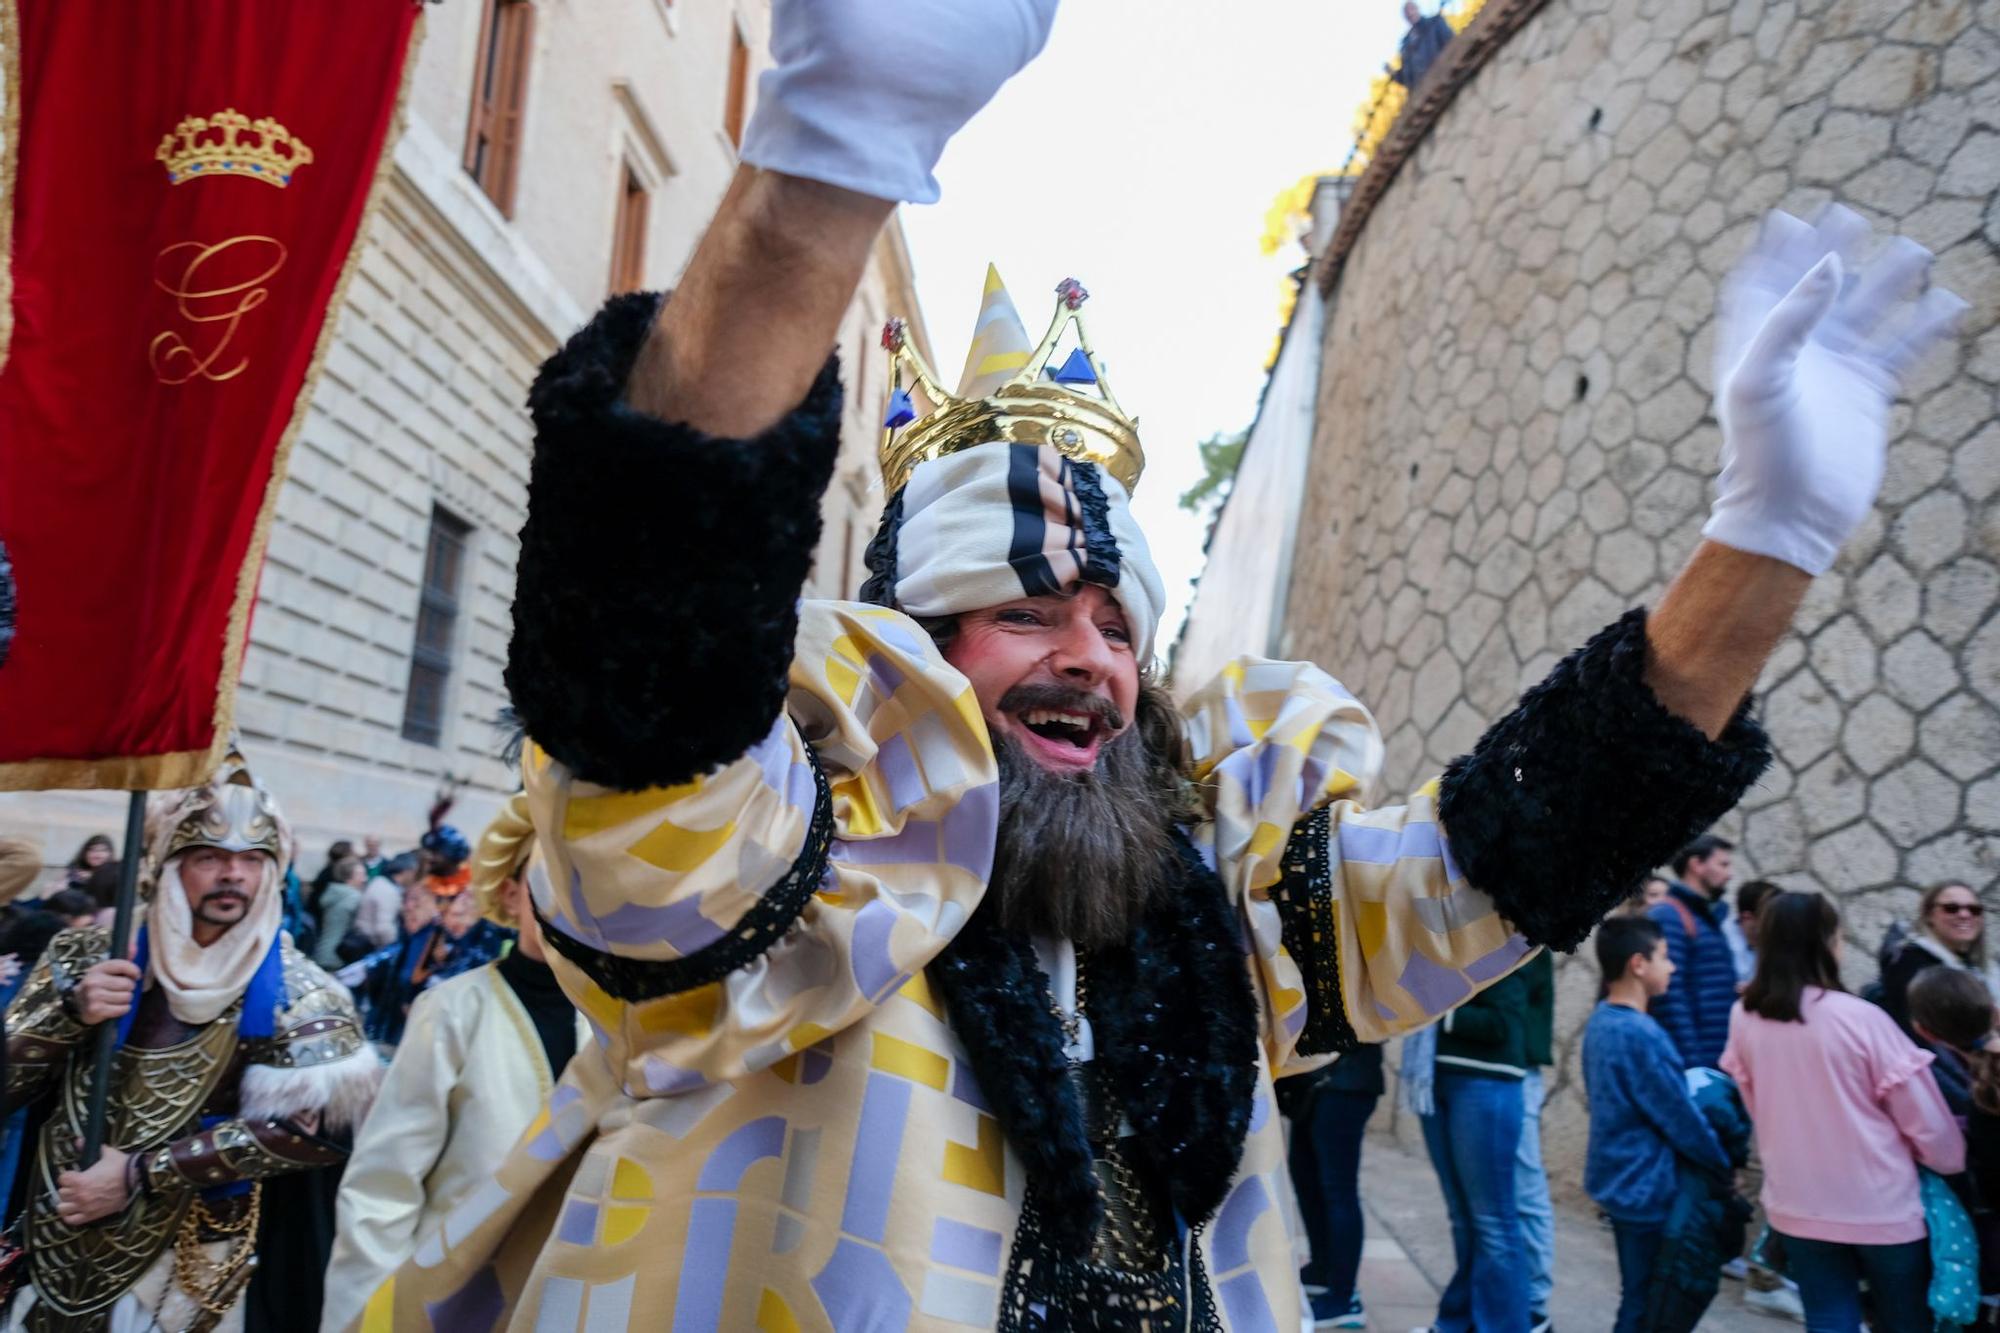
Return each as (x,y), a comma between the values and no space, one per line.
(938,966)
(452,939)
(480,1056)
(235,1054)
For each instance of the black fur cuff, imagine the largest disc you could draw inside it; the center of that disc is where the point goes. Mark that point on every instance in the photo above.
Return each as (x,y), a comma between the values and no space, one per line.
(656,599)
(1569,800)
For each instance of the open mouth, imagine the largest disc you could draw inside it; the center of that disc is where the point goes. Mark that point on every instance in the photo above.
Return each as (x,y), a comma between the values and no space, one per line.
(1053,725)
(1058,738)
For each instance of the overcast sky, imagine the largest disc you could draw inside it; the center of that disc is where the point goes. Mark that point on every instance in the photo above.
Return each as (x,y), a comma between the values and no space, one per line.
(1139,154)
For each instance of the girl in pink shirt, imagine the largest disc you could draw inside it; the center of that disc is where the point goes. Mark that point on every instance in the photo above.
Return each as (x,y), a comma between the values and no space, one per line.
(1845,1112)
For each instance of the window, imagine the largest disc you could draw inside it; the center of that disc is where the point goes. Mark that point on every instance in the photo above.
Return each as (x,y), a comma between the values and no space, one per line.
(437,621)
(739,86)
(499,92)
(628,236)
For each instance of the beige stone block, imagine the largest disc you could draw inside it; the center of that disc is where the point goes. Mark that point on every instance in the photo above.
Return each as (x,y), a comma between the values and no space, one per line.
(1959,598)
(1626,561)
(1803,717)
(1914,802)
(1974,169)
(1961,855)
(1831,793)
(1846,142)
(1918,670)
(1961,736)
(1777,837)
(1856,857)
(1972,59)
(1888,78)
(1877,733)
(1887,597)
(1982,660)
(1668,501)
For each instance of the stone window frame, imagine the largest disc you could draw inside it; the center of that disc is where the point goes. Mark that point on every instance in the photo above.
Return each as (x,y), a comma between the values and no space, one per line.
(435,638)
(497,117)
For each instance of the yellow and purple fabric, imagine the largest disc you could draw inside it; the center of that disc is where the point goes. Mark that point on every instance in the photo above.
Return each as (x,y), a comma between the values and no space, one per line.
(800,1145)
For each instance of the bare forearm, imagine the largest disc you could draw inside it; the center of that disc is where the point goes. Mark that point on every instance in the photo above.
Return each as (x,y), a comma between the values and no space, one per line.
(1708,639)
(760,305)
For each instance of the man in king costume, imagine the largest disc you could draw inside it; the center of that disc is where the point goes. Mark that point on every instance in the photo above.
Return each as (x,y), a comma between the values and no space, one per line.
(938,967)
(236,1058)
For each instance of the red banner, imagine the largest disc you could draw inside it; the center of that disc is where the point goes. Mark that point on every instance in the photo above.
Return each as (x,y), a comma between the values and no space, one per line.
(189,179)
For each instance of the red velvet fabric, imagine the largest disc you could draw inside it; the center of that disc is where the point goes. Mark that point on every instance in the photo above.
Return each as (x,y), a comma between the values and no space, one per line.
(162,334)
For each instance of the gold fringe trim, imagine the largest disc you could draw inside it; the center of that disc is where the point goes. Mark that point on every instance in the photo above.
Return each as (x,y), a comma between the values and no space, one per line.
(188,768)
(10,160)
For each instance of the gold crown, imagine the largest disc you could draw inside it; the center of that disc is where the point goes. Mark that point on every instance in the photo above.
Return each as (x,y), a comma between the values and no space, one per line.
(229,143)
(1031,407)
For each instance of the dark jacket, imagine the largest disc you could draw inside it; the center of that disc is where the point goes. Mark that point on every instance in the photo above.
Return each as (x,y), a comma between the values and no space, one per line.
(1695,1009)
(1422,44)
(1358,1072)
(1487,1036)
(1706,1227)
(1540,1027)
(1916,953)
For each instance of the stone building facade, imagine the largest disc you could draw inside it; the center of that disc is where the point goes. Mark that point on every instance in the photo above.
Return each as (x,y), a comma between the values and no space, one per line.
(1514,438)
(410,471)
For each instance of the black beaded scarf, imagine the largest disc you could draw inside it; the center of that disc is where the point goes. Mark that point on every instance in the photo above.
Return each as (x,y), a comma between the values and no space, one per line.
(1175,1026)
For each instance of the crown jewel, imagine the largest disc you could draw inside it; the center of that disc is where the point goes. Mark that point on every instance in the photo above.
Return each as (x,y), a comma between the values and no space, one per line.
(229,143)
(1009,393)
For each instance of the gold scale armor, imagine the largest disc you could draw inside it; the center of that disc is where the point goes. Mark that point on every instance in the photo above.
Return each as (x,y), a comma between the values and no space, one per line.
(159,1095)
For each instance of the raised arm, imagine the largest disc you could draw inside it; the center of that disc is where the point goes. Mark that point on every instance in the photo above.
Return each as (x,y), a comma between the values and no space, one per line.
(682,446)
(1632,745)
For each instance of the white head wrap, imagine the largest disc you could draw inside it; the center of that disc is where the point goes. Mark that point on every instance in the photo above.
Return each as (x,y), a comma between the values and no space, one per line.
(999,522)
(201,982)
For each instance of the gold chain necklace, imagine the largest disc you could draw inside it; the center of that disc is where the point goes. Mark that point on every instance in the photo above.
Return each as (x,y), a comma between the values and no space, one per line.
(203,1278)
(1071,1023)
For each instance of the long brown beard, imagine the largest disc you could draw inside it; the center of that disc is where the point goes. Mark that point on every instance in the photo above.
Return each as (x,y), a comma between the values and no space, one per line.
(1081,855)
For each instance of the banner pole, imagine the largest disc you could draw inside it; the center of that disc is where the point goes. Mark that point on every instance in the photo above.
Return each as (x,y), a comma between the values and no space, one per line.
(121,942)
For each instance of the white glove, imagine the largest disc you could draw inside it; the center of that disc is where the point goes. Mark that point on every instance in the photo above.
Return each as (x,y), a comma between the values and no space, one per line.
(864,93)
(1807,365)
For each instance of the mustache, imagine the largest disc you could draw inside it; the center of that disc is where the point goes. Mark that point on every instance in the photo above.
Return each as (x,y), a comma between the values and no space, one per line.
(214,894)
(1063,699)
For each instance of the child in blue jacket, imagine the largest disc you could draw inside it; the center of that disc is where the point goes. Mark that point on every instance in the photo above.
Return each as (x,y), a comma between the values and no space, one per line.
(1641,1116)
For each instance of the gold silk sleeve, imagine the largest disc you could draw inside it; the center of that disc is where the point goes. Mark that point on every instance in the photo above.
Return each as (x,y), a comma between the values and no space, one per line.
(715,928)
(1359,921)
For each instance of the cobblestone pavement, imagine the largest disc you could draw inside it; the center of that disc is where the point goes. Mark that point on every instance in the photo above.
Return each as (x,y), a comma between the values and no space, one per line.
(1407,1258)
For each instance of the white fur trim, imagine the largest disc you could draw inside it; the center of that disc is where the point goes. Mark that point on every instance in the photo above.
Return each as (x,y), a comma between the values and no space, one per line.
(341,1091)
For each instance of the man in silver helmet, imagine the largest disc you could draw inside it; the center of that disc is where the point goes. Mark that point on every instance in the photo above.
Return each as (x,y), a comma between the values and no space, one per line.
(237,1058)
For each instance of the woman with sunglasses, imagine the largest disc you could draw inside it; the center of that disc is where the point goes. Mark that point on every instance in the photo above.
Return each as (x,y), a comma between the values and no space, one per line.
(1950,932)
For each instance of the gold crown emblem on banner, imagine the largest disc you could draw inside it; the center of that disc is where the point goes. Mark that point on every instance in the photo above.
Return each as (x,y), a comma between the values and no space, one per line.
(1009,393)
(229,143)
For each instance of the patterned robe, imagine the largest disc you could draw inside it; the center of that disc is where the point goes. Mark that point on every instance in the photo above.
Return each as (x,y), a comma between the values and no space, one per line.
(764,830)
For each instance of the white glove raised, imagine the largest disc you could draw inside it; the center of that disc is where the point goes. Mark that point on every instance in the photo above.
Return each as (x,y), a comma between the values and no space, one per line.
(865,94)
(1807,365)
